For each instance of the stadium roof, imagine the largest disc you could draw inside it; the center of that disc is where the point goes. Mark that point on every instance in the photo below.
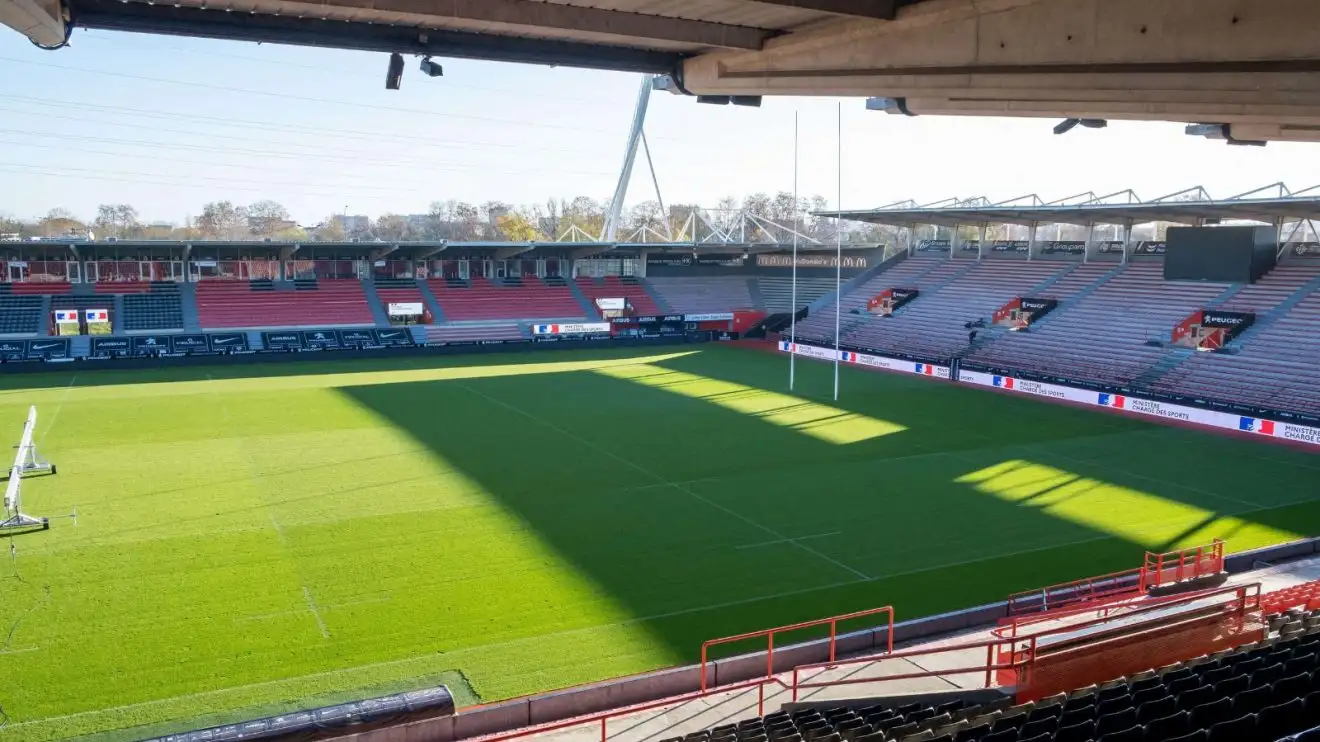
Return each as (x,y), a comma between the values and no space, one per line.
(1193,206)
(1243,72)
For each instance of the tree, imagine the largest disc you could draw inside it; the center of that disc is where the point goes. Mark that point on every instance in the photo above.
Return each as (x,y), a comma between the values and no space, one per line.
(59,222)
(392,228)
(331,229)
(515,227)
(10,226)
(222,220)
(117,220)
(266,218)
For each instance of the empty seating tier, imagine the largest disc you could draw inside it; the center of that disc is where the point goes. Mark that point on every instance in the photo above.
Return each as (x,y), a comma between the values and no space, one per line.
(39,287)
(703,294)
(158,308)
(260,304)
(778,292)
(482,299)
(20,314)
(1102,335)
(614,287)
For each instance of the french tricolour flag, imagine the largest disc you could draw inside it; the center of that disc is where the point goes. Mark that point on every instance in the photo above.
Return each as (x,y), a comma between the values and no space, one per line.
(98,315)
(925,368)
(1112,400)
(1255,425)
(847,356)
(1005,382)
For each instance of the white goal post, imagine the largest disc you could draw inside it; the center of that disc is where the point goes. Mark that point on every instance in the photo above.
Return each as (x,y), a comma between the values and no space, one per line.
(26,461)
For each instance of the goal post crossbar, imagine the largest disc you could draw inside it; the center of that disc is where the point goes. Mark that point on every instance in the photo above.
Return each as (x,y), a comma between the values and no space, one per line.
(26,461)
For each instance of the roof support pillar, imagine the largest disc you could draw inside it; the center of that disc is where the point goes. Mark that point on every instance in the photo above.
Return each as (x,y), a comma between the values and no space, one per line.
(1033,246)
(1089,249)
(980,246)
(953,241)
(1127,240)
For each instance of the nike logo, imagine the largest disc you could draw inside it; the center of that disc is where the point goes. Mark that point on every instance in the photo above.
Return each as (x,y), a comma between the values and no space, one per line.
(45,346)
(222,341)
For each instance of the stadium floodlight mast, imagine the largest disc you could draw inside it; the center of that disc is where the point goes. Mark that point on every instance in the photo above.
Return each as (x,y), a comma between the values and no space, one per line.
(27,461)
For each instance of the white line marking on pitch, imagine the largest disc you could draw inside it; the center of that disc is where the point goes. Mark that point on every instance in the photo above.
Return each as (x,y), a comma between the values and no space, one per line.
(542,637)
(315,612)
(681,488)
(251,463)
(787,540)
(24,650)
(55,416)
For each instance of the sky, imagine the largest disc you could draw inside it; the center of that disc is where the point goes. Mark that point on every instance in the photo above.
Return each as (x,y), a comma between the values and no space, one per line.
(167,124)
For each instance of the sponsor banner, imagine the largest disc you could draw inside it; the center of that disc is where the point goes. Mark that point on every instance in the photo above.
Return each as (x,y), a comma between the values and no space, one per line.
(188,343)
(1019,246)
(933,246)
(1111,247)
(578,328)
(13,350)
(151,343)
(355,338)
(1218,318)
(394,337)
(611,304)
(1168,411)
(222,342)
(405,309)
(823,260)
(282,340)
(721,260)
(864,359)
(106,346)
(321,339)
(1064,247)
(48,349)
(1151,247)
(715,317)
(97,315)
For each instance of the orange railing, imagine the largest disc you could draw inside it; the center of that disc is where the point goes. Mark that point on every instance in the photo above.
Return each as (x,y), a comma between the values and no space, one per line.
(769,635)
(1185,564)
(1014,657)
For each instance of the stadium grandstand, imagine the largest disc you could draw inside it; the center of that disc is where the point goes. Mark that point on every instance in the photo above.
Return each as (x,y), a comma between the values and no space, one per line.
(1185,326)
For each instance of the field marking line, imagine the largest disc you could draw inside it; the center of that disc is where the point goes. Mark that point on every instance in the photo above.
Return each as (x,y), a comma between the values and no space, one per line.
(297,611)
(56,415)
(24,650)
(251,464)
(680,487)
(786,540)
(554,634)
(311,603)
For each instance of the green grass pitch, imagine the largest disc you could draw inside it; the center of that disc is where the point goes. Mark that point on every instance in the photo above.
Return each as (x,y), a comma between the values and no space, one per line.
(254,539)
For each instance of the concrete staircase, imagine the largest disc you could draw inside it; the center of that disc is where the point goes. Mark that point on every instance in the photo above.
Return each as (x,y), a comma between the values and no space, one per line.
(43,326)
(188,304)
(1080,295)
(754,290)
(829,298)
(1172,358)
(80,346)
(1050,281)
(118,308)
(432,303)
(588,309)
(659,302)
(378,313)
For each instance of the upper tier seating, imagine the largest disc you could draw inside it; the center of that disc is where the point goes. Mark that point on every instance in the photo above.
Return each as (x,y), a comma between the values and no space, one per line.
(157,307)
(40,287)
(259,304)
(1256,693)
(1267,371)
(527,298)
(614,287)
(1102,336)
(704,294)
(934,323)
(123,287)
(457,333)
